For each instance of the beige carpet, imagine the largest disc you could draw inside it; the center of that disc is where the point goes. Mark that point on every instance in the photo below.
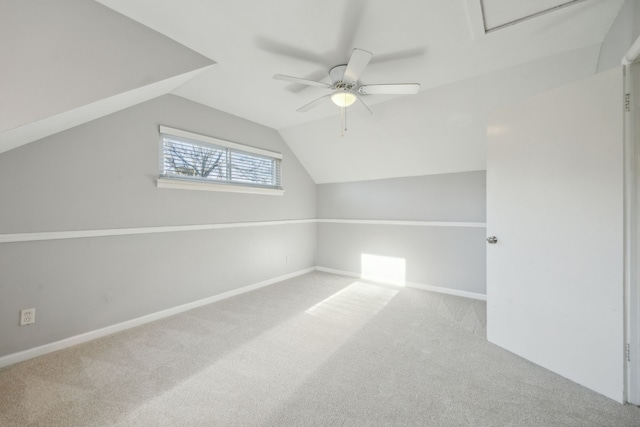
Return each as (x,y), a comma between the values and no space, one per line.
(317,350)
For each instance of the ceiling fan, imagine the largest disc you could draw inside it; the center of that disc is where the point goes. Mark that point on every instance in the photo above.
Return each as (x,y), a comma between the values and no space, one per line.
(345,87)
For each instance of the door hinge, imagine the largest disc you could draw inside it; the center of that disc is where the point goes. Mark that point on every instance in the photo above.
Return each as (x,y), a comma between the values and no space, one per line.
(627,352)
(627,102)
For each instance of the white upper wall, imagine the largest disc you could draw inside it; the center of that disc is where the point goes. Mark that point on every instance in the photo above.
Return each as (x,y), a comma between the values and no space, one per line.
(441,130)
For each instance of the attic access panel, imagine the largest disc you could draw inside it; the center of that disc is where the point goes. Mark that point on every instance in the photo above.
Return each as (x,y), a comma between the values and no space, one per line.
(498,14)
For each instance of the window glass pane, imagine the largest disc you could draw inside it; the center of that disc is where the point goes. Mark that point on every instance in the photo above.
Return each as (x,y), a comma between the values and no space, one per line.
(249,168)
(186,159)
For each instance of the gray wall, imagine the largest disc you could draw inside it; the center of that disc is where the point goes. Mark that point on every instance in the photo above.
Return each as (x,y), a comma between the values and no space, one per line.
(624,31)
(63,54)
(102,175)
(443,256)
(445,197)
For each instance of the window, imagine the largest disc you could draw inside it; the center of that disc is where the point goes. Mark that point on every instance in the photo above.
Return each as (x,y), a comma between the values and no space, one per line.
(193,161)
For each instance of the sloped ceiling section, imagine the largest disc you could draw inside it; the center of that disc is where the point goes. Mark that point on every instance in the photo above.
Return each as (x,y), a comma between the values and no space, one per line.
(69,61)
(440,130)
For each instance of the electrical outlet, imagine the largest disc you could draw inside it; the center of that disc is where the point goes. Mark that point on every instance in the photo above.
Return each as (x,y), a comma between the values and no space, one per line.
(27,316)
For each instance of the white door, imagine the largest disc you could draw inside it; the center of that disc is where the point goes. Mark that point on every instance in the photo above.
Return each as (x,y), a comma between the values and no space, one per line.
(555,204)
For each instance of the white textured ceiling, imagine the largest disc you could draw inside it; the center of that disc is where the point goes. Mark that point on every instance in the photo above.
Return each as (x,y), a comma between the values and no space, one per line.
(430,42)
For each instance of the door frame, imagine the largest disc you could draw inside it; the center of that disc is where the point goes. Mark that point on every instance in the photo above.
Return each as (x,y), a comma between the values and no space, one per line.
(631,64)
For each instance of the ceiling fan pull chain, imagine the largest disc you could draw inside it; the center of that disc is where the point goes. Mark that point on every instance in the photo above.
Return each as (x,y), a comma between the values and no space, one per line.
(345,118)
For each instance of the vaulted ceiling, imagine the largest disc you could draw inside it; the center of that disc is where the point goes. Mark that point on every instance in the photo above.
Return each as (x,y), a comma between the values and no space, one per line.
(469,56)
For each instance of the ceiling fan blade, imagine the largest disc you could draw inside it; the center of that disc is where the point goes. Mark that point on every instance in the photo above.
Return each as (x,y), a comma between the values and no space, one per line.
(399,55)
(291,51)
(313,104)
(301,81)
(357,63)
(365,105)
(390,89)
(352,14)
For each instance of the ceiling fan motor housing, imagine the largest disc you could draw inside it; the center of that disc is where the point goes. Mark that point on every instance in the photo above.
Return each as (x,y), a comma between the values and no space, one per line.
(336,74)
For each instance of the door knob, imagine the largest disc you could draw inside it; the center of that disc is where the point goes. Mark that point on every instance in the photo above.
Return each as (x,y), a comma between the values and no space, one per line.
(492,240)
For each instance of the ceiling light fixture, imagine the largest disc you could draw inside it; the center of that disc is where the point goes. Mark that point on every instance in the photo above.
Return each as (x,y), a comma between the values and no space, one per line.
(343,98)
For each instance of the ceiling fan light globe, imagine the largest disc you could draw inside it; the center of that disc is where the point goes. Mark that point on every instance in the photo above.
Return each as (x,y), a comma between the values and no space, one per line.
(343,99)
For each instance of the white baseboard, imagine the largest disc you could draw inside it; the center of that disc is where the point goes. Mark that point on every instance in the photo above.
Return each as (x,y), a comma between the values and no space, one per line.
(98,333)
(440,289)
(338,272)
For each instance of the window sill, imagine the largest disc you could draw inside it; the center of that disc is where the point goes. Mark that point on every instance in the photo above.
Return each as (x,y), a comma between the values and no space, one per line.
(210,186)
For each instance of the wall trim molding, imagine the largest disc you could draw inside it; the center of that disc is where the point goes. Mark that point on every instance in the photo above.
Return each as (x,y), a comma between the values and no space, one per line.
(424,287)
(21,356)
(107,232)
(78,234)
(405,223)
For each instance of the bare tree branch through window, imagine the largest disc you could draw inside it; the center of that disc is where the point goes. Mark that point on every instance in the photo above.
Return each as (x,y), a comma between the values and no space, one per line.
(208,162)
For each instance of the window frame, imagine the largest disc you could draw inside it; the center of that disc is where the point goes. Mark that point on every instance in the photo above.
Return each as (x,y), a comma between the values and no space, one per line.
(194,183)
